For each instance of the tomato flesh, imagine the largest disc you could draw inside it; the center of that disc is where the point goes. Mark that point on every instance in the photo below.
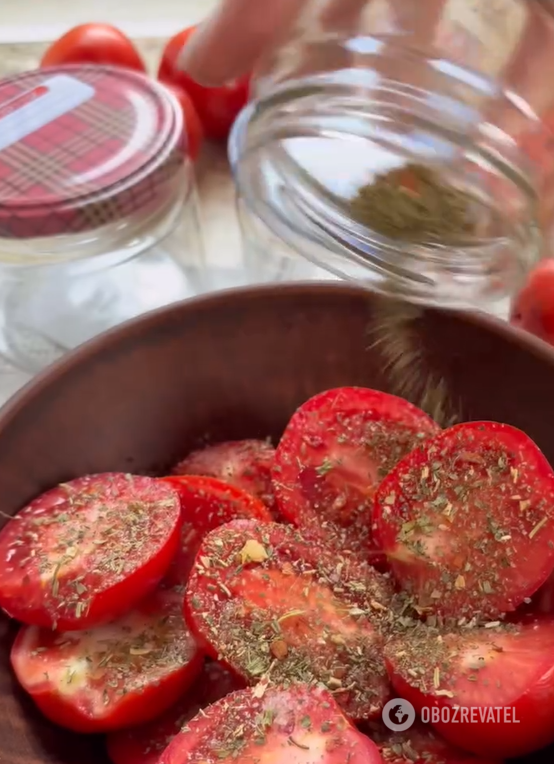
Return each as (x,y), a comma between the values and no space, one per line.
(467,520)
(145,744)
(335,451)
(125,672)
(84,552)
(269,603)
(94,44)
(207,503)
(502,675)
(246,464)
(298,725)
(218,107)
(420,745)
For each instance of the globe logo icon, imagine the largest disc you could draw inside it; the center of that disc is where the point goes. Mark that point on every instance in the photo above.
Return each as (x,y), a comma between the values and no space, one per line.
(398,715)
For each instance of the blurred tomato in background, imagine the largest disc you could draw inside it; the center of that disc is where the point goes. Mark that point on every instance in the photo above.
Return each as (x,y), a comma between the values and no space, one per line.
(217,107)
(94,44)
(533,308)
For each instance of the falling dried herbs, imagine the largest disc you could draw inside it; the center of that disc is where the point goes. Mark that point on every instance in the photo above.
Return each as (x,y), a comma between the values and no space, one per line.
(398,335)
(413,203)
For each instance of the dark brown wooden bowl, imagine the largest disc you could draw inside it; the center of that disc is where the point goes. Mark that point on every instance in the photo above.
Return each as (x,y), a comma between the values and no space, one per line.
(231,365)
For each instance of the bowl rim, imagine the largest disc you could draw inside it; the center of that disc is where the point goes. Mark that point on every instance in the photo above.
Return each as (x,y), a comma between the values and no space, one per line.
(111,337)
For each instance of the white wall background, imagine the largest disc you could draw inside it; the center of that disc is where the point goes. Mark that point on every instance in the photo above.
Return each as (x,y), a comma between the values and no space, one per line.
(37,20)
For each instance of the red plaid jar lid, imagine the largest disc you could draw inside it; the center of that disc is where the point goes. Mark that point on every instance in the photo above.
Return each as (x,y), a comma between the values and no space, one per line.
(84,146)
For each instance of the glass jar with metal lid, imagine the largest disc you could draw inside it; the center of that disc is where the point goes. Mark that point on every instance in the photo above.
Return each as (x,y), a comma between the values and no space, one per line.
(98,213)
(364,87)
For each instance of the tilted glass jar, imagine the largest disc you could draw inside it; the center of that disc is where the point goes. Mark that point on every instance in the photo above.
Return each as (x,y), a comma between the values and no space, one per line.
(364,86)
(98,212)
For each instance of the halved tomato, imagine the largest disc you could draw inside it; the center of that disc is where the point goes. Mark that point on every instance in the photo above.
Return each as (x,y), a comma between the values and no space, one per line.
(487,690)
(335,451)
(145,744)
(467,520)
(207,503)
(270,604)
(296,725)
(419,745)
(86,551)
(245,464)
(123,673)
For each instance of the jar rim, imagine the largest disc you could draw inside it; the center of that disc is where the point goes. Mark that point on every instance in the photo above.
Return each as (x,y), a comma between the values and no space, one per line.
(282,190)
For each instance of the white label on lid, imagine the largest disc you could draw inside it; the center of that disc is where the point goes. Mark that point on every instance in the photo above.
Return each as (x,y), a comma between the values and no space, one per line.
(28,112)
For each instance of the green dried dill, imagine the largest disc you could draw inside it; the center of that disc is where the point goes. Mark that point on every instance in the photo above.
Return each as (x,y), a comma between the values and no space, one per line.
(413,203)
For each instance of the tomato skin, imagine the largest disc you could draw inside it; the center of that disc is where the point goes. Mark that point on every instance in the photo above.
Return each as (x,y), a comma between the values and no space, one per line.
(125,530)
(207,503)
(123,673)
(246,464)
(195,132)
(278,725)
(518,675)
(94,44)
(334,452)
(533,308)
(473,506)
(145,744)
(264,600)
(218,107)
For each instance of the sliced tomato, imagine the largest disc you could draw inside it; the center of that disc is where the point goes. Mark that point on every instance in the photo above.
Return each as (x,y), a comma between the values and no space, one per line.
(500,679)
(467,520)
(245,464)
(207,503)
(86,551)
(296,725)
(145,744)
(93,44)
(335,451)
(123,673)
(420,745)
(269,603)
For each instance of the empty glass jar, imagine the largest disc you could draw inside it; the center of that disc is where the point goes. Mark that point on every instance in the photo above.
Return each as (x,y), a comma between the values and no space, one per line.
(98,213)
(361,87)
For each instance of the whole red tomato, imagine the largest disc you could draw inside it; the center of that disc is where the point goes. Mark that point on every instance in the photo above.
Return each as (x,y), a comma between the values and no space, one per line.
(195,133)
(93,44)
(217,107)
